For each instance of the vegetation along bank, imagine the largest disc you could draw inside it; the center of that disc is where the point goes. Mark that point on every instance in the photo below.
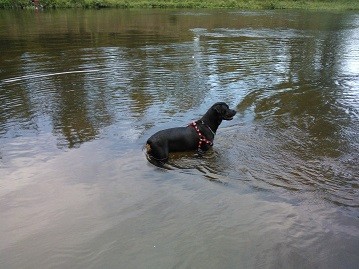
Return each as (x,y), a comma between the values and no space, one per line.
(238,4)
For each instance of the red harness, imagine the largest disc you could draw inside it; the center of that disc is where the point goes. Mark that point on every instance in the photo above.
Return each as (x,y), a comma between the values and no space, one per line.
(202,138)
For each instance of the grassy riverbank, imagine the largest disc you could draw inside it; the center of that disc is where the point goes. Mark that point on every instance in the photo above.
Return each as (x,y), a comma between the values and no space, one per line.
(240,4)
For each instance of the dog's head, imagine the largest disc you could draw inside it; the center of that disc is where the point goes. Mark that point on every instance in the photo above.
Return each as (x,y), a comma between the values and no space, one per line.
(224,111)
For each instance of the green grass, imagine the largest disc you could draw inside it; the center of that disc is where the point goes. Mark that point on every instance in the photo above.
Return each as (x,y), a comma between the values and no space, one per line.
(239,4)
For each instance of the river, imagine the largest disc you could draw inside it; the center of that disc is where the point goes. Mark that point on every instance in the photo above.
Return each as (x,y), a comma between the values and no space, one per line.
(82,90)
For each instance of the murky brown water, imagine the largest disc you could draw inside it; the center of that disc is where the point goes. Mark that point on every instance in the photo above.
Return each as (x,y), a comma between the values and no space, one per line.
(81,91)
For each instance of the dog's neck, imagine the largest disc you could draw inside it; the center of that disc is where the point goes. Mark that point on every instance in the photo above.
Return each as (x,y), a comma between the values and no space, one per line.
(207,126)
(212,120)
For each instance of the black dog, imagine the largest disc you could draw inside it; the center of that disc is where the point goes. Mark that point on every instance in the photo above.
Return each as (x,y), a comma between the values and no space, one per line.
(198,135)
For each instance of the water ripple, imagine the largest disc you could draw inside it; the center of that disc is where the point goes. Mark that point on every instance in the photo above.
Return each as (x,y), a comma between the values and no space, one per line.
(39,75)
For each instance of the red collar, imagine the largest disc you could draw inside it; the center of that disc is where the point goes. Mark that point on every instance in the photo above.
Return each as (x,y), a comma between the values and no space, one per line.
(202,138)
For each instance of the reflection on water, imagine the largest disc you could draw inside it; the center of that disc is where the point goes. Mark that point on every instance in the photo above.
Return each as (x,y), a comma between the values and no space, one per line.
(80,92)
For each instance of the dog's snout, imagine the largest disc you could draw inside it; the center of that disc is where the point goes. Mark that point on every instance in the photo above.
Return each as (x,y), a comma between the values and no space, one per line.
(230,113)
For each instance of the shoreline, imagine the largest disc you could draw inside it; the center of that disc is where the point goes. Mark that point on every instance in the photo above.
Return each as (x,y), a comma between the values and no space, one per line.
(339,5)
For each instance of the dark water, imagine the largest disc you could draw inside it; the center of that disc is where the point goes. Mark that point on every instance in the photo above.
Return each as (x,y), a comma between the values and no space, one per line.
(81,91)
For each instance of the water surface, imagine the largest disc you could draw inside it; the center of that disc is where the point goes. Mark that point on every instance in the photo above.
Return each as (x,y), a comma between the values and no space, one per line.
(81,91)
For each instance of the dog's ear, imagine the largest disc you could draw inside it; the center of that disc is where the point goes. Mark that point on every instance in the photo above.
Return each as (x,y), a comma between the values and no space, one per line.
(219,108)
